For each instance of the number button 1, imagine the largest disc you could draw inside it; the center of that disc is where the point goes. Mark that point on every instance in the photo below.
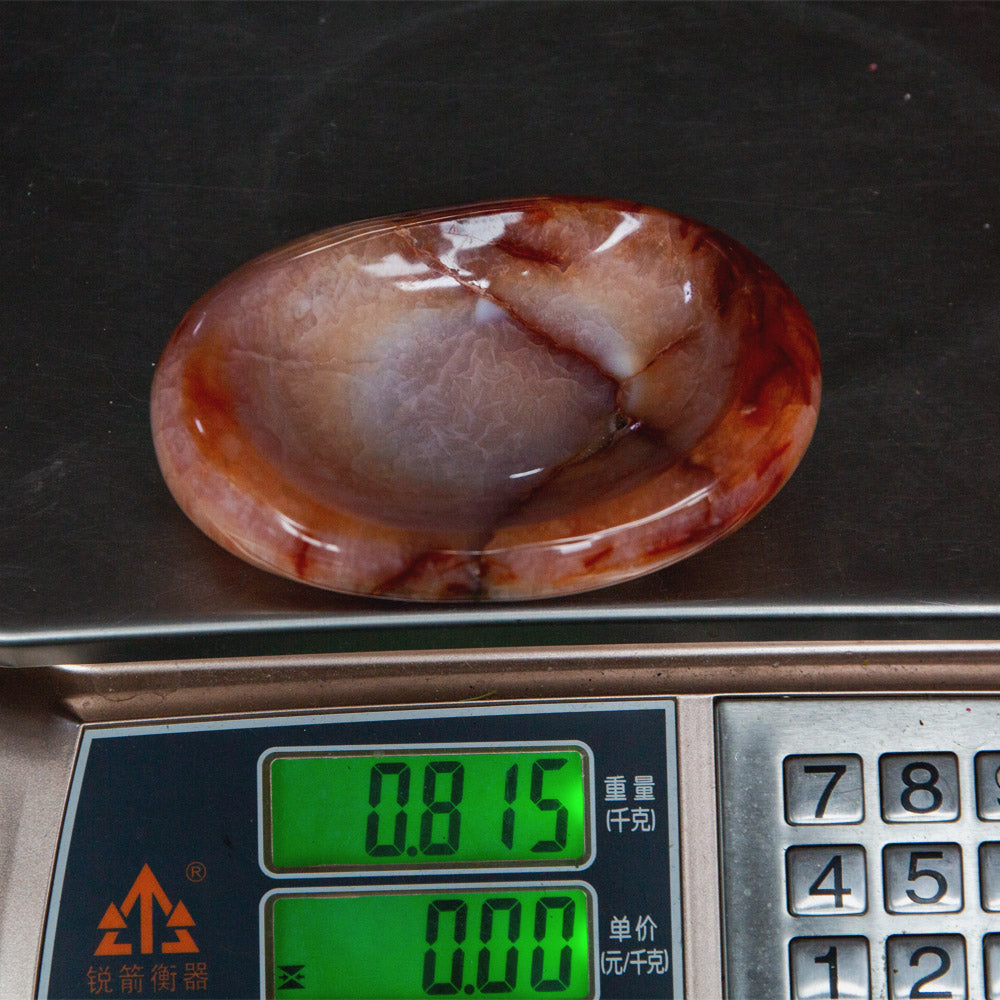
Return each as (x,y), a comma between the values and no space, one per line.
(829,968)
(923,966)
(823,788)
(826,881)
(919,788)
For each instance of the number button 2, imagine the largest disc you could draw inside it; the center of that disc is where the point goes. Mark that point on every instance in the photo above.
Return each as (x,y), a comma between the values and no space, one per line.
(826,880)
(922,878)
(823,788)
(829,968)
(919,788)
(927,967)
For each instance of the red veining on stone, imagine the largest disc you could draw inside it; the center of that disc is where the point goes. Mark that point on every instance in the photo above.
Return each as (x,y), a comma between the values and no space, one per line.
(533,330)
(302,551)
(597,557)
(515,399)
(536,255)
(447,574)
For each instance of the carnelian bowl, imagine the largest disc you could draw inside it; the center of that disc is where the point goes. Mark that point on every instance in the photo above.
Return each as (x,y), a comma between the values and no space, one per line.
(507,400)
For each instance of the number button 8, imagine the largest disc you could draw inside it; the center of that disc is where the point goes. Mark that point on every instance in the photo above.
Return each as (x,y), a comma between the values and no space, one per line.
(823,788)
(919,788)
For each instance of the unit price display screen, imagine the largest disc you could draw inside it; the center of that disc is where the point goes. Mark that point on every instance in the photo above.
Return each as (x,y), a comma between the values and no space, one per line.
(515,807)
(511,940)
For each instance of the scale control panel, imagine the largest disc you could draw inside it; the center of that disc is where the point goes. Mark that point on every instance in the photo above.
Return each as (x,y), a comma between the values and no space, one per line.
(829,847)
(861,847)
(475,851)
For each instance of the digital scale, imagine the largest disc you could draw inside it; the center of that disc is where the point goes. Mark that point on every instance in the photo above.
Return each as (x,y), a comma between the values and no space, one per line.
(767,772)
(675,820)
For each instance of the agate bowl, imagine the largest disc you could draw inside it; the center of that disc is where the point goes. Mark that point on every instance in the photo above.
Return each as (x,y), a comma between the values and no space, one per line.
(508,400)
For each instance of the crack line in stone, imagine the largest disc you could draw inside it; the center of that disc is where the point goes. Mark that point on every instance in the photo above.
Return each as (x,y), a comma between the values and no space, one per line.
(537,332)
(624,422)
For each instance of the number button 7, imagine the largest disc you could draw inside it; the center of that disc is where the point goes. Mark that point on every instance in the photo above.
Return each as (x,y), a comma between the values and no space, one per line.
(823,788)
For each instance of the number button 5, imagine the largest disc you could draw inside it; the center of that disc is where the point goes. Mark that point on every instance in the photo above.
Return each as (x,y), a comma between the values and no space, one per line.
(823,788)
(926,966)
(922,878)
(826,881)
(919,788)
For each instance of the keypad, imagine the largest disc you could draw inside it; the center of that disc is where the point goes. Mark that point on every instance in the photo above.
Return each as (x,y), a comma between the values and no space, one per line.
(917,878)
(878,815)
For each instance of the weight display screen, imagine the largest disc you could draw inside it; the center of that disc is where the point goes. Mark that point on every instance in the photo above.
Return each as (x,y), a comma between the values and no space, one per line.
(502,940)
(433,807)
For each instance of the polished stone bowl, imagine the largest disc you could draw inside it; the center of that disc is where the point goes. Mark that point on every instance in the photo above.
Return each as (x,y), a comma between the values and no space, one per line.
(507,400)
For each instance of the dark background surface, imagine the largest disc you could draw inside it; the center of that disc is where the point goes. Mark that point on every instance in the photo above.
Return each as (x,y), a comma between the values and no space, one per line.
(149,150)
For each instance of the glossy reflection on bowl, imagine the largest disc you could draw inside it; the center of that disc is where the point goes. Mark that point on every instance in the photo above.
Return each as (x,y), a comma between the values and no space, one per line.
(507,400)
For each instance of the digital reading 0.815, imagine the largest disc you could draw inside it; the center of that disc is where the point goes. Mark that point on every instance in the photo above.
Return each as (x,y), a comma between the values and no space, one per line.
(431,807)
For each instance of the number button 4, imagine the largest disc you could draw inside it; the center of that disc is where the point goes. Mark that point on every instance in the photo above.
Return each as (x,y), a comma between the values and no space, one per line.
(922,878)
(919,788)
(825,968)
(826,881)
(823,788)
(925,966)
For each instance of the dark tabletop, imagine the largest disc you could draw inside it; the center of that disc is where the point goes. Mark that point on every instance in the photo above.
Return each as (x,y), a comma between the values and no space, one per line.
(148,150)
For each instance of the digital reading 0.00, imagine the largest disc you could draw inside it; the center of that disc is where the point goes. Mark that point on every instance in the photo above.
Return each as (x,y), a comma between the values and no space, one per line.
(510,940)
(434,807)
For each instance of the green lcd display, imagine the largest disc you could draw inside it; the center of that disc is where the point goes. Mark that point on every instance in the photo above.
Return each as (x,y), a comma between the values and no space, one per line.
(511,807)
(506,940)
